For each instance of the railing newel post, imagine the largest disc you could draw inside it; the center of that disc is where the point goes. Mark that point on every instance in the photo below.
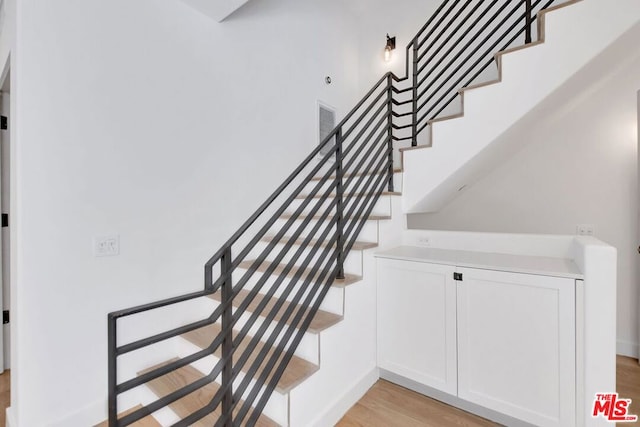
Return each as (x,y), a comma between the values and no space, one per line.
(112,370)
(390,128)
(227,341)
(339,205)
(414,116)
(528,21)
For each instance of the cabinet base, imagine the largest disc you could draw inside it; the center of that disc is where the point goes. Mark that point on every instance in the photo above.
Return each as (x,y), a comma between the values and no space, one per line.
(453,400)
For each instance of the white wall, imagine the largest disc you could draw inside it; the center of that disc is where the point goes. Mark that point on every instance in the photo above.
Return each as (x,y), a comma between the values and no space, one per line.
(400,19)
(579,167)
(148,120)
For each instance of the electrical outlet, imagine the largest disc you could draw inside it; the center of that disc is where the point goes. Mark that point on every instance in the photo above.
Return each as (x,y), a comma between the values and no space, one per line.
(424,241)
(585,230)
(106,246)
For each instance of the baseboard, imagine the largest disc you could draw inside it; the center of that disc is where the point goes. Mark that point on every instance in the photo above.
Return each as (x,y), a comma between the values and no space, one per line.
(10,418)
(343,403)
(626,348)
(454,401)
(90,415)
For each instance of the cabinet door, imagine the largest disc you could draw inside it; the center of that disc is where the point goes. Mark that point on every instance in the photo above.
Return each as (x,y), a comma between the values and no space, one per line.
(417,322)
(516,345)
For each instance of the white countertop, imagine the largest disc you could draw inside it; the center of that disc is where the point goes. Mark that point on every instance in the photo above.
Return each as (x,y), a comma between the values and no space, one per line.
(557,267)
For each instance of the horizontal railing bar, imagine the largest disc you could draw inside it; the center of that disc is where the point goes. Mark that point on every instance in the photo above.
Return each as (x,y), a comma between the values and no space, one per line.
(279,212)
(370,138)
(347,133)
(145,342)
(367,180)
(357,155)
(463,35)
(312,296)
(214,344)
(348,183)
(163,370)
(366,127)
(278,328)
(165,401)
(158,304)
(486,52)
(446,27)
(260,284)
(468,57)
(437,25)
(401,103)
(353,209)
(269,201)
(400,115)
(402,139)
(277,307)
(214,317)
(351,113)
(318,246)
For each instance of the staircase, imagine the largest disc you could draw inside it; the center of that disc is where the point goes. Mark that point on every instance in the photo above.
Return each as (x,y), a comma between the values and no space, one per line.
(283,332)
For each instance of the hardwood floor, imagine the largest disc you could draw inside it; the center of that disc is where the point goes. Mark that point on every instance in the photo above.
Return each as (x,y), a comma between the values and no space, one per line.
(389,405)
(628,384)
(5,396)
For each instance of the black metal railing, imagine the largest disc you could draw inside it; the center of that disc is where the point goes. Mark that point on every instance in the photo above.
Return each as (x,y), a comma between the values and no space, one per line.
(267,282)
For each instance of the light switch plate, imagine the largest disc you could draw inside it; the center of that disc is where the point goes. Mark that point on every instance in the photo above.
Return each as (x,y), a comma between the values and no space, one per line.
(106,246)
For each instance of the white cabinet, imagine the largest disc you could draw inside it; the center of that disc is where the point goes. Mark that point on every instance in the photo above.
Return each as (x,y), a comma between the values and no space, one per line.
(516,345)
(417,322)
(502,340)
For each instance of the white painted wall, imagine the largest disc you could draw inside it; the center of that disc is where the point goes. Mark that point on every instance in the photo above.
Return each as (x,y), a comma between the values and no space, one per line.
(148,120)
(400,19)
(579,167)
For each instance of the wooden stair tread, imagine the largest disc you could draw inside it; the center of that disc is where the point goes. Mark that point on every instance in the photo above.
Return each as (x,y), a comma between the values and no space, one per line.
(297,370)
(358,246)
(189,404)
(384,193)
(302,217)
(349,279)
(147,421)
(348,175)
(321,321)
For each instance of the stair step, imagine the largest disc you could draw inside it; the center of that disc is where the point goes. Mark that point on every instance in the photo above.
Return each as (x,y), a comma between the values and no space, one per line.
(147,421)
(303,217)
(358,246)
(189,404)
(349,279)
(384,193)
(321,321)
(297,370)
(347,175)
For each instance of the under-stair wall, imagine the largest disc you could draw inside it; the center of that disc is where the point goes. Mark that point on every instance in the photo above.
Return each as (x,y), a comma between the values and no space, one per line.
(464,149)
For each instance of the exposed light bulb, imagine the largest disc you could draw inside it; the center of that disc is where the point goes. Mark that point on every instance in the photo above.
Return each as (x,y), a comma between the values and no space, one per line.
(387,54)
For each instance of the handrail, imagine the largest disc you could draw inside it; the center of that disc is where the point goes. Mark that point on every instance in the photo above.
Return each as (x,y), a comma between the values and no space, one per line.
(267,303)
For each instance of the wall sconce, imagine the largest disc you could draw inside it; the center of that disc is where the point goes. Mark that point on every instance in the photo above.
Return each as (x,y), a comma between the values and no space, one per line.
(391,45)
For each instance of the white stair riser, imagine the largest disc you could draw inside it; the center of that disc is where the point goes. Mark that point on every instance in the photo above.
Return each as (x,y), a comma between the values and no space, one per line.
(369,232)
(308,348)
(397,177)
(381,207)
(332,303)
(277,406)
(352,264)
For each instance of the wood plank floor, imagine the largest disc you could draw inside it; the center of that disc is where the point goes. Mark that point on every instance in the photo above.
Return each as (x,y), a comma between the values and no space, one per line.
(389,405)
